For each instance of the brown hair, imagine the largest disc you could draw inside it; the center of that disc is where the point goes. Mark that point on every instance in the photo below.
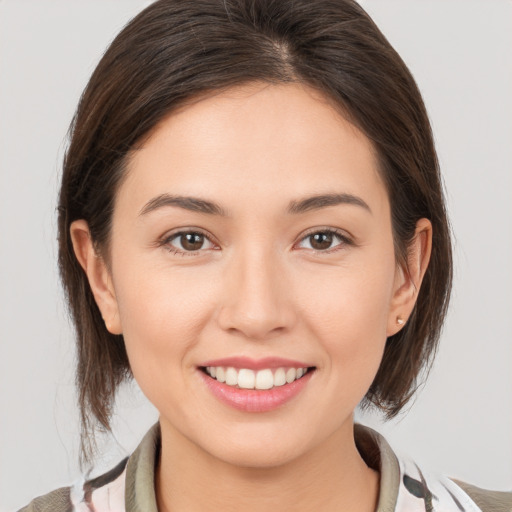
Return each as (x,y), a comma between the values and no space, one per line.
(174,51)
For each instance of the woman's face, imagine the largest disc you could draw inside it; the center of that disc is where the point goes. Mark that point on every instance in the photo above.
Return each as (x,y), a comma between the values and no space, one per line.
(253,232)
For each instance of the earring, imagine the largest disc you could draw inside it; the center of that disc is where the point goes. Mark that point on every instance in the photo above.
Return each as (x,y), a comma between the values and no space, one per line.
(400,320)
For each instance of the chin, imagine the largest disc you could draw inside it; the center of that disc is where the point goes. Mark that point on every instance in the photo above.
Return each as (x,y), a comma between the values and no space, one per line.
(259,448)
(256,457)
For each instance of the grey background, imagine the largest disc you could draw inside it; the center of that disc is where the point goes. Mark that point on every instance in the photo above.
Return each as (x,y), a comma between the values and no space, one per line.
(461,55)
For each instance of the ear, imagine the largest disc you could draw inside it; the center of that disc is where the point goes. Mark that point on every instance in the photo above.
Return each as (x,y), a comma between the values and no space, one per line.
(408,278)
(98,275)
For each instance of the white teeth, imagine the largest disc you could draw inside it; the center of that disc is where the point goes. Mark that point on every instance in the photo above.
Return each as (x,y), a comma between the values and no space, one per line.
(231,377)
(246,379)
(249,379)
(264,379)
(280,377)
(220,373)
(291,375)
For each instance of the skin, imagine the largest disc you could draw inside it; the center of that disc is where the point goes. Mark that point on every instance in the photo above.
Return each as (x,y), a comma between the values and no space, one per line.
(258,288)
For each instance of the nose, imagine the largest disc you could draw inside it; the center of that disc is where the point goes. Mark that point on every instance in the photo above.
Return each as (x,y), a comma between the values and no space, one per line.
(257,297)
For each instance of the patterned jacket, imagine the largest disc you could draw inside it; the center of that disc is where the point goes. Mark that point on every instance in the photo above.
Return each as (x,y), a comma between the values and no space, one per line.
(129,487)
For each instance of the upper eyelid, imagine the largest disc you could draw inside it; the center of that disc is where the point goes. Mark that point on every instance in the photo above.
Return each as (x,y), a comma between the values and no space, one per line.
(337,232)
(184,231)
(345,239)
(312,231)
(167,238)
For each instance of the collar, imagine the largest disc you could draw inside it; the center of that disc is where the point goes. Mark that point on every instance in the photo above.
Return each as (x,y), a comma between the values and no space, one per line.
(140,470)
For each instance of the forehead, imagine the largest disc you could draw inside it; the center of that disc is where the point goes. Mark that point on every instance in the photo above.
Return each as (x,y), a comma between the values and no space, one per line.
(252,140)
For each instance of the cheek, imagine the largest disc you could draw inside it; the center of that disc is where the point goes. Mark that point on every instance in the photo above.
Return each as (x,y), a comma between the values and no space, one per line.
(350,300)
(162,313)
(347,311)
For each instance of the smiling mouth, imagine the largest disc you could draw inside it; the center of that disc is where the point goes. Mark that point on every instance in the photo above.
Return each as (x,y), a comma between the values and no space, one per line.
(264,379)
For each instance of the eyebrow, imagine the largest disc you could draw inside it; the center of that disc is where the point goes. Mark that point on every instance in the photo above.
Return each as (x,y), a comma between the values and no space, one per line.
(199,205)
(325,200)
(193,204)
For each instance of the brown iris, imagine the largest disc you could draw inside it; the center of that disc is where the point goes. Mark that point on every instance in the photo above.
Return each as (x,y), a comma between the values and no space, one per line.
(321,240)
(192,241)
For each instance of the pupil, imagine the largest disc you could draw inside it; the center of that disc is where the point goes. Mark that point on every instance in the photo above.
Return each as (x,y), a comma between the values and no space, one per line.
(321,240)
(192,241)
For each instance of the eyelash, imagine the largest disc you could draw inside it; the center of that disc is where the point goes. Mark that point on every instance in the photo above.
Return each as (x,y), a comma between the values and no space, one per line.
(173,250)
(336,233)
(344,239)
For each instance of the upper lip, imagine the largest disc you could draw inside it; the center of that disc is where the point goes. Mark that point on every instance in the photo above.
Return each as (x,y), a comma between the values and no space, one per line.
(256,364)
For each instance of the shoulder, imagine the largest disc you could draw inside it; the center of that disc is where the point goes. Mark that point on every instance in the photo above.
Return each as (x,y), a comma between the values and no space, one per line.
(103,494)
(129,485)
(488,501)
(55,501)
(438,492)
(405,487)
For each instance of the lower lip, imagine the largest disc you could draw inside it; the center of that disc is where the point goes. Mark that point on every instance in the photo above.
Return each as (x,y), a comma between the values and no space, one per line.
(255,400)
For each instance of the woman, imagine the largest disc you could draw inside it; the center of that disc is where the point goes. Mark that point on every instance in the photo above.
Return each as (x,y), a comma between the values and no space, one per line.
(252,225)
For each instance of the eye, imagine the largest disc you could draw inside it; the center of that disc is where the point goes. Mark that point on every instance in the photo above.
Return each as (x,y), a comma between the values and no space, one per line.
(324,240)
(188,242)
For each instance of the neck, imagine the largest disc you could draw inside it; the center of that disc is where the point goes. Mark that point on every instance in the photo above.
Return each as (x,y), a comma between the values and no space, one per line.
(331,477)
